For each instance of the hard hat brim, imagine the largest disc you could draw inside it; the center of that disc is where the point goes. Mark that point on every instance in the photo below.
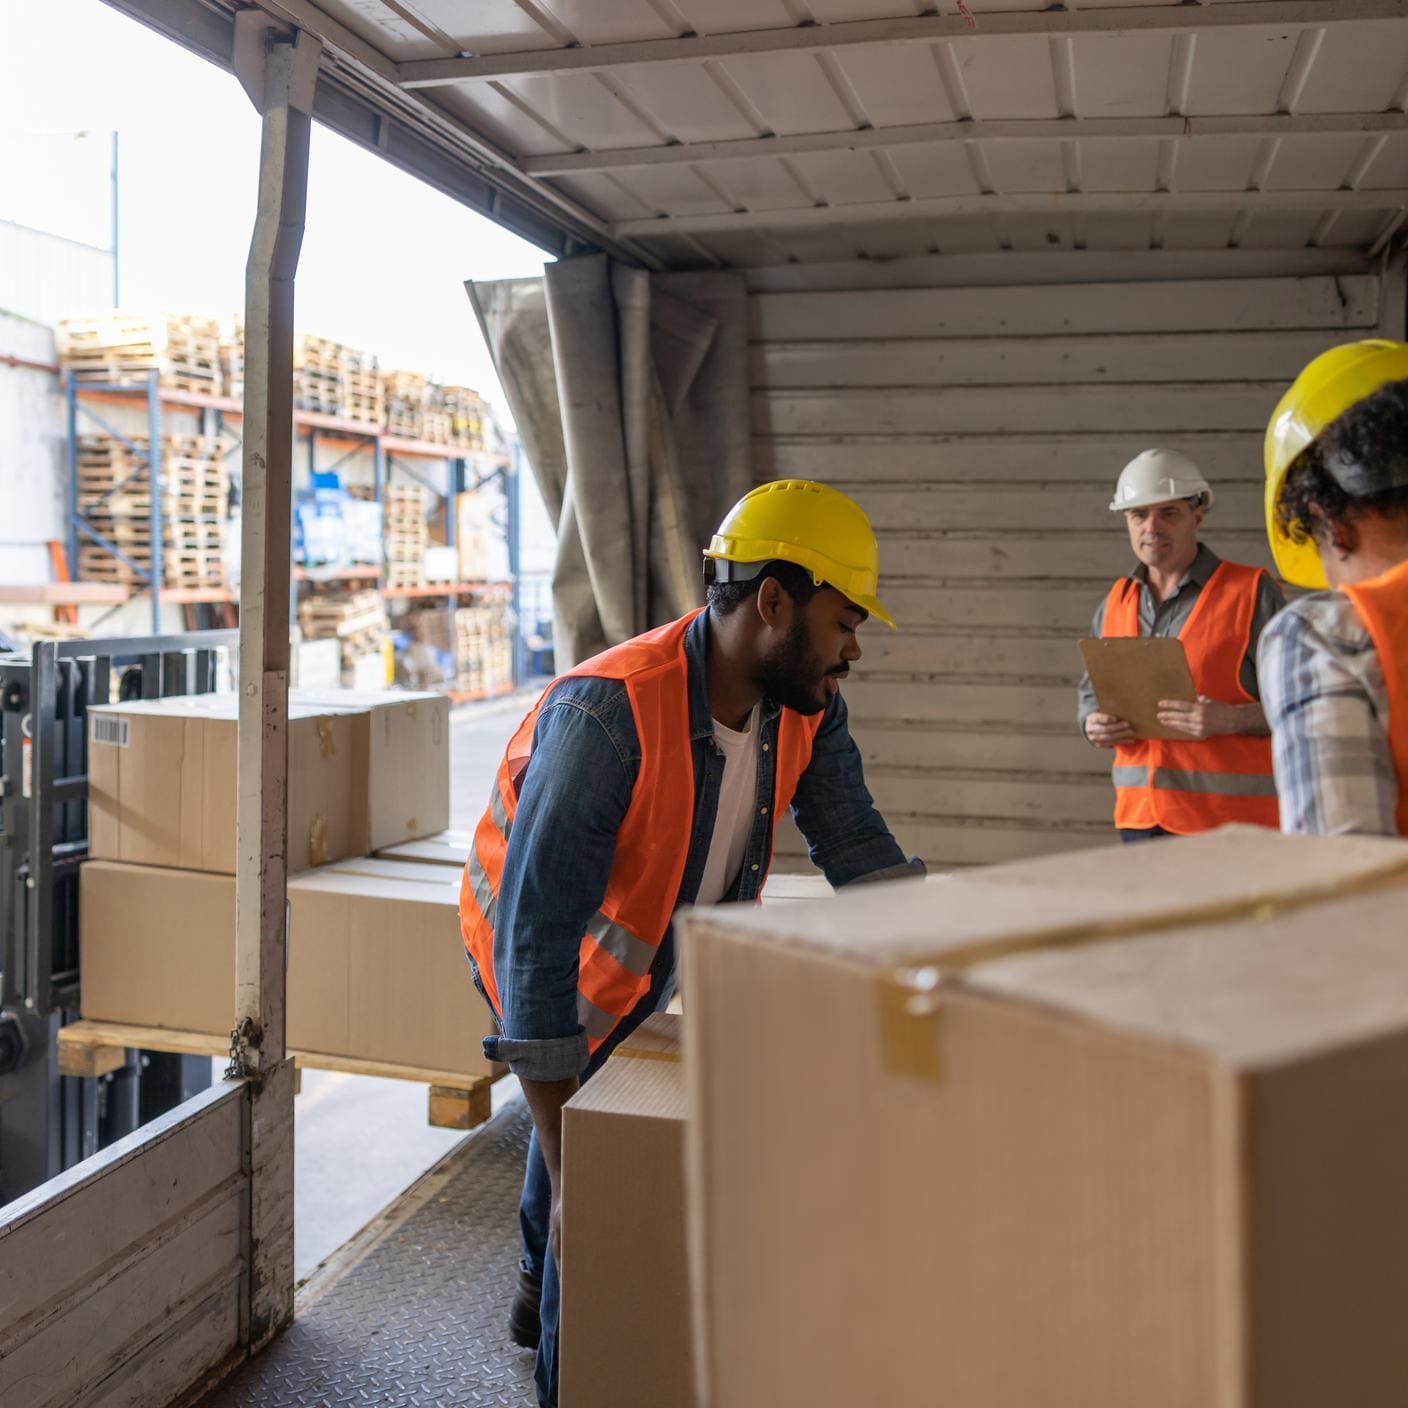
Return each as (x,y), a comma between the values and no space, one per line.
(1149,500)
(872,605)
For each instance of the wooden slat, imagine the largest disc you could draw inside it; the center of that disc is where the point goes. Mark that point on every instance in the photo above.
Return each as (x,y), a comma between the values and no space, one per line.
(1042,798)
(1080,506)
(1162,410)
(1099,557)
(78,1038)
(1013,657)
(955,361)
(932,751)
(958,459)
(1209,305)
(996,604)
(875,697)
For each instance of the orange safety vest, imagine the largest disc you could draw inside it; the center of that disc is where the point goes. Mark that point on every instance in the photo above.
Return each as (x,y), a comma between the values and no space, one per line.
(1381,604)
(1203,783)
(621,939)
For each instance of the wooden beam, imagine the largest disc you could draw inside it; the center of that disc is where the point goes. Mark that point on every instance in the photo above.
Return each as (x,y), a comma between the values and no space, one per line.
(278,69)
(999,203)
(918,29)
(453,1107)
(998,130)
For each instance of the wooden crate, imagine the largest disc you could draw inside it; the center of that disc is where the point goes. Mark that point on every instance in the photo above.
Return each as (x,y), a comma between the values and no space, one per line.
(343,616)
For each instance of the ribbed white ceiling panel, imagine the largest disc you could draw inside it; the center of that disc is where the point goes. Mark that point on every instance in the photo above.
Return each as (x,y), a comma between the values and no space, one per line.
(762,131)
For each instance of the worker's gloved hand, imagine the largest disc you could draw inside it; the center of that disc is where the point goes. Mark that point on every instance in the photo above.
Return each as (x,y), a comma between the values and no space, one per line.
(1205,718)
(1106,731)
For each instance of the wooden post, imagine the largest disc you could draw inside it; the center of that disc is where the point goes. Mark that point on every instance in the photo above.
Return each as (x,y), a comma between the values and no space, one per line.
(278,69)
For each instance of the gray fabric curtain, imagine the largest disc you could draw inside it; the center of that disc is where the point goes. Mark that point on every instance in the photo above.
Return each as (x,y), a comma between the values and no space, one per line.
(630,392)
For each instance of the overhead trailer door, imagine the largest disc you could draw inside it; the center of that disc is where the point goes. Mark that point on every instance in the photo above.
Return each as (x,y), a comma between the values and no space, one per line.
(983,428)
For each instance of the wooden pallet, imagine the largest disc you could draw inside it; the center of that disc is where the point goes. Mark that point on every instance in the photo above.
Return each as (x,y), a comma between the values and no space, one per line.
(456,1100)
(324,617)
(404,574)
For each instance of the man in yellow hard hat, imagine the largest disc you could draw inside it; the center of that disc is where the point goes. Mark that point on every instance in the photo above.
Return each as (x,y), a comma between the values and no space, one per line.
(1334,666)
(1221,772)
(651,777)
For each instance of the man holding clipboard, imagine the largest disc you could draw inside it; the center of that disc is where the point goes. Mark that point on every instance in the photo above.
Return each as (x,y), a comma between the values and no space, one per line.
(1195,753)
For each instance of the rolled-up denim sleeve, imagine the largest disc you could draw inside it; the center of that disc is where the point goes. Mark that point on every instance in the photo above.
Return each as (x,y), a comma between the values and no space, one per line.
(574,795)
(846,837)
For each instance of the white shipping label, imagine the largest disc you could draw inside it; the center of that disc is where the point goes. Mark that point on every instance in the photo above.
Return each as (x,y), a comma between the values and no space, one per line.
(109,729)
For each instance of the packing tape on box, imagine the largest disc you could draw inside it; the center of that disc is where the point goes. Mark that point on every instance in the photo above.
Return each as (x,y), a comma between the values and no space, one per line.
(318,840)
(641,1053)
(326,744)
(908,997)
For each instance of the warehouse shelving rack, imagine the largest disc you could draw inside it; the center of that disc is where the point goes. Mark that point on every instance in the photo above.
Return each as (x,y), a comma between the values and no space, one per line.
(315,428)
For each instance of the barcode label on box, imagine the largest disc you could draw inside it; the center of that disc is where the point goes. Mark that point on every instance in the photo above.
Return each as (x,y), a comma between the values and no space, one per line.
(108,729)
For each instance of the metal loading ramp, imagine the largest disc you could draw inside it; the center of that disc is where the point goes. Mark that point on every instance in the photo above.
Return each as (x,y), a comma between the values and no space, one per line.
(414,1310)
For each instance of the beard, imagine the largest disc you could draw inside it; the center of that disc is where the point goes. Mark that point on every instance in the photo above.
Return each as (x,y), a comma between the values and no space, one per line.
(792,674)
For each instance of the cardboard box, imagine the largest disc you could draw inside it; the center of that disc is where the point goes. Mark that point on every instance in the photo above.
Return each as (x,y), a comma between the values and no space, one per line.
(624,1338)
(444,848)
(1120,1127)
(376,968)
(162,783)
(407,763)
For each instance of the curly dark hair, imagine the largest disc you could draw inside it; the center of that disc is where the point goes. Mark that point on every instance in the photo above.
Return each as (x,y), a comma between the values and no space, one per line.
(726,597)
(1334,480)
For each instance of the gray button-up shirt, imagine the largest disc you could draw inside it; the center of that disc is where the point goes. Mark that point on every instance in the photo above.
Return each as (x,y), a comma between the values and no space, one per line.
(1167,618)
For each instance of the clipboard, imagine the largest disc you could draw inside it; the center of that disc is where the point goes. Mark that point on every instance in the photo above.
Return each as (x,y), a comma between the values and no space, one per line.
(1132,673)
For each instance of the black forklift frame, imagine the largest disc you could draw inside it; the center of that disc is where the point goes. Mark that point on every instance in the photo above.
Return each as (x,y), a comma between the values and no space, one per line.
(48,1121)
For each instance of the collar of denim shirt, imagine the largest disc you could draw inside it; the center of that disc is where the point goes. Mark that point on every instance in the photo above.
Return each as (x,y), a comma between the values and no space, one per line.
(696,654)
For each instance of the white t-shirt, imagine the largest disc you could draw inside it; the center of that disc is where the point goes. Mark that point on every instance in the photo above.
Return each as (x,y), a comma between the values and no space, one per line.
(738,795)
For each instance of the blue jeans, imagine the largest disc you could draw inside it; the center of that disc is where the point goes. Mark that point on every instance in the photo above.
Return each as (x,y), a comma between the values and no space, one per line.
(534,1213)
(1142,833)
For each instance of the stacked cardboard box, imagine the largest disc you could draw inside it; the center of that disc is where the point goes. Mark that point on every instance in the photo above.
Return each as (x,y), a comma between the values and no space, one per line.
(1110,1128)
(376,969)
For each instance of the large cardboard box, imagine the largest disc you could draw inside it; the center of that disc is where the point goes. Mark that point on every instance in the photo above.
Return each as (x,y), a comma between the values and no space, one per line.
(407,762)
(376,968)
(1123,1127)
(624,1337)
(444,848)
(365,770)
(162,786)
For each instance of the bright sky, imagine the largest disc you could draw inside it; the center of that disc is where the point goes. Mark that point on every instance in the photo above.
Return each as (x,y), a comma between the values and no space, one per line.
(384,257)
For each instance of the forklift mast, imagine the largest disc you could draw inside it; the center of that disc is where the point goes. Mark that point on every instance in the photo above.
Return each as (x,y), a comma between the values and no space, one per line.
(49,1121)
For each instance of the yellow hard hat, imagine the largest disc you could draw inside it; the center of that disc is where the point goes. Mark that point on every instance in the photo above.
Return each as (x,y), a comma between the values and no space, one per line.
(813,525)
(1324,391)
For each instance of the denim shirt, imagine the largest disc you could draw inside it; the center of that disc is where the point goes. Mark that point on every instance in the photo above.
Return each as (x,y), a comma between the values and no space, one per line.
(573,797)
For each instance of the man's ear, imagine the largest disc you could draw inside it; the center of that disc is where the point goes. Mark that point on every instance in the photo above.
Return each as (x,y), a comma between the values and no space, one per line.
(773,604)
(1338,536)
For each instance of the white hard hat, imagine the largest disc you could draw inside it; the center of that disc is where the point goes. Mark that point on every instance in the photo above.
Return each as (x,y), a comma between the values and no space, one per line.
(1155,477)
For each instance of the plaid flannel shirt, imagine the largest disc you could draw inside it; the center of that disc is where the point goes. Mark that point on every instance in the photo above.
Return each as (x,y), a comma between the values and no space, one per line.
(1324,694)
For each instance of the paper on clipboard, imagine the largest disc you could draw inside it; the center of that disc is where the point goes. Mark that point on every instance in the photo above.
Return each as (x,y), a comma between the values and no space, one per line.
(1132,673)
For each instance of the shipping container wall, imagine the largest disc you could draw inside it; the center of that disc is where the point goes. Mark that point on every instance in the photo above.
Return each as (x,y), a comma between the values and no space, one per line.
(983,429)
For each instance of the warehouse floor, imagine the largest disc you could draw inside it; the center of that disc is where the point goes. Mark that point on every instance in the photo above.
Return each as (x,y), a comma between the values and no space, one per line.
(414,1311)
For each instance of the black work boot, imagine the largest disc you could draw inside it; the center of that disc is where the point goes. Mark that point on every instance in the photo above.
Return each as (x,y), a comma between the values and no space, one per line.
(524,1322)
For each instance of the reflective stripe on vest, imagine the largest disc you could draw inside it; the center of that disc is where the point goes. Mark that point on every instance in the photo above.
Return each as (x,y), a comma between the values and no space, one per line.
(620,942)
(1193,786)
(1381,604)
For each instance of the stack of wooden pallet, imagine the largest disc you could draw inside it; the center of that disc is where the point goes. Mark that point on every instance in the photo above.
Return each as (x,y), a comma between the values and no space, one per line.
(124,349)
(362,398)
(232,358)
(484,647)
(407,399)
(407,535)
(357,620)
(317,375)
(465,409)
(114,496)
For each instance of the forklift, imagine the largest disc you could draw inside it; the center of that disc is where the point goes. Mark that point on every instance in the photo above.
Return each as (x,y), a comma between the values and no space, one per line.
(50,1121)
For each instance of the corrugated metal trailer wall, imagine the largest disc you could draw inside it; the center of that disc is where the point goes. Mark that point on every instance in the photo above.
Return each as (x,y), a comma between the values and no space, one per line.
(983,428)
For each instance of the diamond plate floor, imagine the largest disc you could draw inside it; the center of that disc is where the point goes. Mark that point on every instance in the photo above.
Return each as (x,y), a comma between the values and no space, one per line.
(421,1318)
